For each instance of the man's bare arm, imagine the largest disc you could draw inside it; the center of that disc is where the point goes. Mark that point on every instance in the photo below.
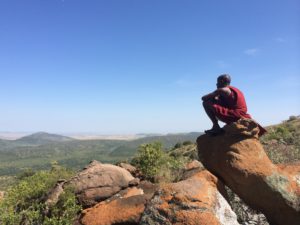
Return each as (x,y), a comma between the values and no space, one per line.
(211,95)
(216,94)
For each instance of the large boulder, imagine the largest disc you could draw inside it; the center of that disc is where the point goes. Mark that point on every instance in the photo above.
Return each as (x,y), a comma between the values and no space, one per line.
(194,201)
(98,182)
(238,158)
(126,207)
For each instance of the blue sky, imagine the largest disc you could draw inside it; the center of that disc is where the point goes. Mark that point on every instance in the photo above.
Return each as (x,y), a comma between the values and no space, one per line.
(130,66)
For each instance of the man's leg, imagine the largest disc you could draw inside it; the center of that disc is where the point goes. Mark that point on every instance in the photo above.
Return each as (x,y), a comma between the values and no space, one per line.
(208,107)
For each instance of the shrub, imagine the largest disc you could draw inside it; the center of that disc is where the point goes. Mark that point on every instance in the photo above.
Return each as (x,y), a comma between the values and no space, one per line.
(187,143)
(283,132)
(23,203)
(177,145)
(291,118)
(149,159)
(286,148)
(28,172)
(65,209)
(155,164)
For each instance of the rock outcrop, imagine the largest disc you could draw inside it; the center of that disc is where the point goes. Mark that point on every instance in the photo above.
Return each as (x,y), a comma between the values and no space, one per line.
(194,201)
(126,207)
(98,182)
(238,159)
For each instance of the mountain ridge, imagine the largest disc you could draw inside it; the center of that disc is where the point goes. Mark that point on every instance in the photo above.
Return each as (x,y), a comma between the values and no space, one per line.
(40,138)
(15,156)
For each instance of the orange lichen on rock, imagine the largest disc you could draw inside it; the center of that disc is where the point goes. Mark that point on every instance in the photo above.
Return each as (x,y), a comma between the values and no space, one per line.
(133,191)
(124,210)
(195,200)
(186,217)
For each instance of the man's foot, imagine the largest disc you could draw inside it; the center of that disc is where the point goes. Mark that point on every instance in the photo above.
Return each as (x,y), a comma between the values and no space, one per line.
(215,130)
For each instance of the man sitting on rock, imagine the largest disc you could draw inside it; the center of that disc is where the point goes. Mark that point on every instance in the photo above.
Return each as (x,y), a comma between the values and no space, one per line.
(226,104)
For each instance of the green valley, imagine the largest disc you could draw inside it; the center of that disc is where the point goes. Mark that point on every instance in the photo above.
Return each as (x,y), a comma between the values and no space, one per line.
(39,150)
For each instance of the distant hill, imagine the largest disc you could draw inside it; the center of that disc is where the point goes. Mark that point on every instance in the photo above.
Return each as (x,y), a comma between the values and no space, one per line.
(42,138)
(129,149)
(37,151)
(4,143)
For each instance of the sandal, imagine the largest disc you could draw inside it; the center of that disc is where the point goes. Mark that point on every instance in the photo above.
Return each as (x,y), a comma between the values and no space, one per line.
(214,131)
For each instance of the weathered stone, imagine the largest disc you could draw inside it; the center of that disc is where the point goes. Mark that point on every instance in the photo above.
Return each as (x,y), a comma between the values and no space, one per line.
(98,182)
(144,188)
(195,201)
(53,195)
(245,213)
(134,182)
(238,158)
(130,168)
(192,168)
(148,188)
(119,211)
(125,207)
(195,164)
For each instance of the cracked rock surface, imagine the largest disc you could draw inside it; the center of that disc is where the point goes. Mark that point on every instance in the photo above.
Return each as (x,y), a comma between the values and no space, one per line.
(195,200)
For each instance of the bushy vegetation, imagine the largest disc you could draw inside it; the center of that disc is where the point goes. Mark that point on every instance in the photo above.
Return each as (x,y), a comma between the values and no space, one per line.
(16,155)
(24,202)
(186,149)
(280,133)
(156,164)
(282,142)
(181,144)
(288,131)
(6,181)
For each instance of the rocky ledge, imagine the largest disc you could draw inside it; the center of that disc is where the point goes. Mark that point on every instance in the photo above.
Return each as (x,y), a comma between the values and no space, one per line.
(114,195)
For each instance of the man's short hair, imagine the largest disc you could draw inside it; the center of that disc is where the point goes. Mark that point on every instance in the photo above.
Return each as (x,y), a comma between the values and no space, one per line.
(224,78)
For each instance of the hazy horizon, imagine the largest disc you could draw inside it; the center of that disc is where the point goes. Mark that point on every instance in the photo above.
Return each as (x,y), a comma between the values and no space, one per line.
(87,135)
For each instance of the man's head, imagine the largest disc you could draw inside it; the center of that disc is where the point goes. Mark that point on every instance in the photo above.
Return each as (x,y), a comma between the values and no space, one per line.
(223,80)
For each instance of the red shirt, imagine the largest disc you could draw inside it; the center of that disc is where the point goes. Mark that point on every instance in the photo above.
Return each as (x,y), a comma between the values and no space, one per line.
(236,101)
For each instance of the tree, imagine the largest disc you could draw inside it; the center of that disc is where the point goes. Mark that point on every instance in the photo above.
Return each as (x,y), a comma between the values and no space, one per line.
(149,159)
